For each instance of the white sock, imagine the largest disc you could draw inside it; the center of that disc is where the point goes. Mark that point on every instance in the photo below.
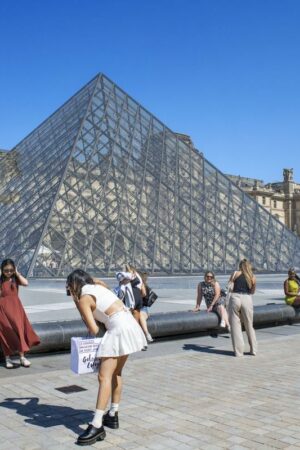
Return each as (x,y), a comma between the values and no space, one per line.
(114,407)
(97,420)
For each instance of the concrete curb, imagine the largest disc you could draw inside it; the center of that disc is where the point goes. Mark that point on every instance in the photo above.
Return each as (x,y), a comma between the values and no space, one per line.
(56,336)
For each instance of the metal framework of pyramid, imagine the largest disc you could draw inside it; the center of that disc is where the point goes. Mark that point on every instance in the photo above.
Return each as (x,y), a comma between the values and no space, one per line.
(102,182)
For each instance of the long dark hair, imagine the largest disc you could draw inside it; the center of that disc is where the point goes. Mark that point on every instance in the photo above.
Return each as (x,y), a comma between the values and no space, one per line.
(8,262)
(76,280)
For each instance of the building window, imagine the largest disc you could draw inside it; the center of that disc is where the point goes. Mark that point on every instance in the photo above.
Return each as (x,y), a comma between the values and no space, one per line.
(264,200)
(275,204)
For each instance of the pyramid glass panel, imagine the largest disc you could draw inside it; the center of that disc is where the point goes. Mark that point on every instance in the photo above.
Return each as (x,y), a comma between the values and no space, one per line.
(103,182)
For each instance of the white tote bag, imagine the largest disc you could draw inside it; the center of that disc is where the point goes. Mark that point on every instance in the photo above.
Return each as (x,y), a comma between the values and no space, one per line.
(83,354)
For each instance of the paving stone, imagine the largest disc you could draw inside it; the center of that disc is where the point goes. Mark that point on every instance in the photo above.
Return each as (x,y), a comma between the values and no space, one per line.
(210,401)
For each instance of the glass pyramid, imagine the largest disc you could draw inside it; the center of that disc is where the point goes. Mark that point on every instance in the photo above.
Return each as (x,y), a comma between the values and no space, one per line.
(102,182)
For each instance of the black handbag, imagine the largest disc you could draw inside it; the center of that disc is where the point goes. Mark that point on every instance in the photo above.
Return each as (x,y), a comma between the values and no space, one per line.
(151,298)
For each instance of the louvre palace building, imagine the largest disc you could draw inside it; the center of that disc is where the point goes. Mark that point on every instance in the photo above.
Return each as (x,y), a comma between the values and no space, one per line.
(282,199)
(103,182)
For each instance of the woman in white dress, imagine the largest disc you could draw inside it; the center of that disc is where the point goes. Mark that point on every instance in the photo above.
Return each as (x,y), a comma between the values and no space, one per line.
(96,303)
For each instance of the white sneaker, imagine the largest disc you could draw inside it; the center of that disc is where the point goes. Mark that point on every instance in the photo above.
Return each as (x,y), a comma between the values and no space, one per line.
(149,337)
(222,324)
(8,363)
(24,362)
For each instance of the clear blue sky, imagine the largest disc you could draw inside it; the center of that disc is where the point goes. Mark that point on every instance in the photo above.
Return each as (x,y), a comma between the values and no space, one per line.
(226,72)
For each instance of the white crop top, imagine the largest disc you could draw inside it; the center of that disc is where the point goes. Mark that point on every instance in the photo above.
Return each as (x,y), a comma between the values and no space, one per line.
(104,299)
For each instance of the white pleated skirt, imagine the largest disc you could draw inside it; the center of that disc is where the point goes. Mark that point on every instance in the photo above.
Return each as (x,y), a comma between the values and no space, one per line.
(123,336)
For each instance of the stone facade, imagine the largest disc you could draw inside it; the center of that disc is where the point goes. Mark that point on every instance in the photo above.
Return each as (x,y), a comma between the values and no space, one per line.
(282,199)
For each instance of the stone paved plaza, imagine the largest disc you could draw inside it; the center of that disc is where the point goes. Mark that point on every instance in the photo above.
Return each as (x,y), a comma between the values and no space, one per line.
(182,394)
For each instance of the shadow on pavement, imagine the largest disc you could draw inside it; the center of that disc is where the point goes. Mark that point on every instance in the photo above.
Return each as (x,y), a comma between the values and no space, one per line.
(205,349)
(46,416)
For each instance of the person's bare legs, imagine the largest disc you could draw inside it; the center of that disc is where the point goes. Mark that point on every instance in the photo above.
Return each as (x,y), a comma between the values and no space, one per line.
(117,380)
(143,322)
(136,315)
(224,316)
(223,313)
(296,302)
(110,418)
(95,430)
(107,369)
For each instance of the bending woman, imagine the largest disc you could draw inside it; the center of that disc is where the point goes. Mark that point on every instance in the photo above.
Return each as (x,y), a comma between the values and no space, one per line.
(123,336)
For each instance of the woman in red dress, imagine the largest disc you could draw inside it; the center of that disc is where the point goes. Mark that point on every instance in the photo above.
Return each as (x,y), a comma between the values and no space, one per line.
(16,333)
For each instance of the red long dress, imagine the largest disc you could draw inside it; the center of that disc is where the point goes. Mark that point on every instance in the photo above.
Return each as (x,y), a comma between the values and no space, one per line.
(16,333)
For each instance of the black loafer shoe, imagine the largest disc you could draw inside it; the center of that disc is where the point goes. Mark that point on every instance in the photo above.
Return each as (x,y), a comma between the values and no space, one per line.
(91,435)
(111,422)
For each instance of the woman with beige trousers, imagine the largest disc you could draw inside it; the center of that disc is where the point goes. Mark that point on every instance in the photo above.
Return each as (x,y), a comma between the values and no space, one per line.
(240,308)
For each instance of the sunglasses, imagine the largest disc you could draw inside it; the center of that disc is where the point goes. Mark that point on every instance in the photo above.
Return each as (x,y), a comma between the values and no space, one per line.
(8,270)
(68,292)
(209,276)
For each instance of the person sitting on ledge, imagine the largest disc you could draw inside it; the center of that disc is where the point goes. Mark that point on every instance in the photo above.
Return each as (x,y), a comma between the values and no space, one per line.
(291,289)
(211,291)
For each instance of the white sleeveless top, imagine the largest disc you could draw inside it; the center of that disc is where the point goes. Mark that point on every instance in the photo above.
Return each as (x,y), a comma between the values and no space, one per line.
(104,299)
